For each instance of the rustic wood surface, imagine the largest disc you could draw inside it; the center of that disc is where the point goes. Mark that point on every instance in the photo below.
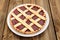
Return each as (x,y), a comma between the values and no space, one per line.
(51,6)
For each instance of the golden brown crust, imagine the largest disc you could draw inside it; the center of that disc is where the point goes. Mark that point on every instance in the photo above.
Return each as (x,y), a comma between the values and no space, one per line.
(28,17)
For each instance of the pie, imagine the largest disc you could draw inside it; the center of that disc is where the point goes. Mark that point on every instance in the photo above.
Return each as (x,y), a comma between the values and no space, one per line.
(28,18)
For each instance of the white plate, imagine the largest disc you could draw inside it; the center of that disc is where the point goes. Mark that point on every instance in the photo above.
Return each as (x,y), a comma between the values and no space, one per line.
(27,35)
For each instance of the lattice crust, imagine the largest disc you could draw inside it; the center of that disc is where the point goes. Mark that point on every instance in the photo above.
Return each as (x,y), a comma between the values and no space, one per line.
(28,18)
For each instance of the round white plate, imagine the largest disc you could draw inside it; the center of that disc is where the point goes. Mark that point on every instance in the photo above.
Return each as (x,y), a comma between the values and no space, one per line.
(27,35)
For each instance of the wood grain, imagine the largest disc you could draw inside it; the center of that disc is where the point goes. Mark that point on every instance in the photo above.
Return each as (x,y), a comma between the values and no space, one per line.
(8,35)
(55,9)
(49,34)
(3,11)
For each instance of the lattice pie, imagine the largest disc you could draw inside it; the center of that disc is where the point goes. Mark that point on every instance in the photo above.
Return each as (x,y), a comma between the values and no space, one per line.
(28,18)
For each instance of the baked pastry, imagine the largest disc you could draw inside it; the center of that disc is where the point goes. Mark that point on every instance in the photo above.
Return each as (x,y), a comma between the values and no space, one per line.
(28,18)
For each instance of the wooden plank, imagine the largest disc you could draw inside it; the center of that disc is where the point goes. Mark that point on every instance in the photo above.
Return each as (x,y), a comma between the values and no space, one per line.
(3,11)
(26,1)
(49,34)
(55,9)
(32,1)
(8,35)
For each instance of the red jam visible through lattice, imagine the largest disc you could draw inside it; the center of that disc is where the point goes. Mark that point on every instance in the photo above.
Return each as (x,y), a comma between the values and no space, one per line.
(28,21)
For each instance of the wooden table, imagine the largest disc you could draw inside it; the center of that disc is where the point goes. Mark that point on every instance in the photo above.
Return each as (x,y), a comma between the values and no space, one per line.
(51,6)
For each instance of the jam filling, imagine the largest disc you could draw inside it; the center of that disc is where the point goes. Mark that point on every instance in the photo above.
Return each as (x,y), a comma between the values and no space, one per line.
(22,8)
(28,5)
(41,22)
(14,21)
(35,27)
(16,12)
(28,21)
(28,12)
(41,12)
(20,27)
(34,17)
(35,8)
(22,17)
